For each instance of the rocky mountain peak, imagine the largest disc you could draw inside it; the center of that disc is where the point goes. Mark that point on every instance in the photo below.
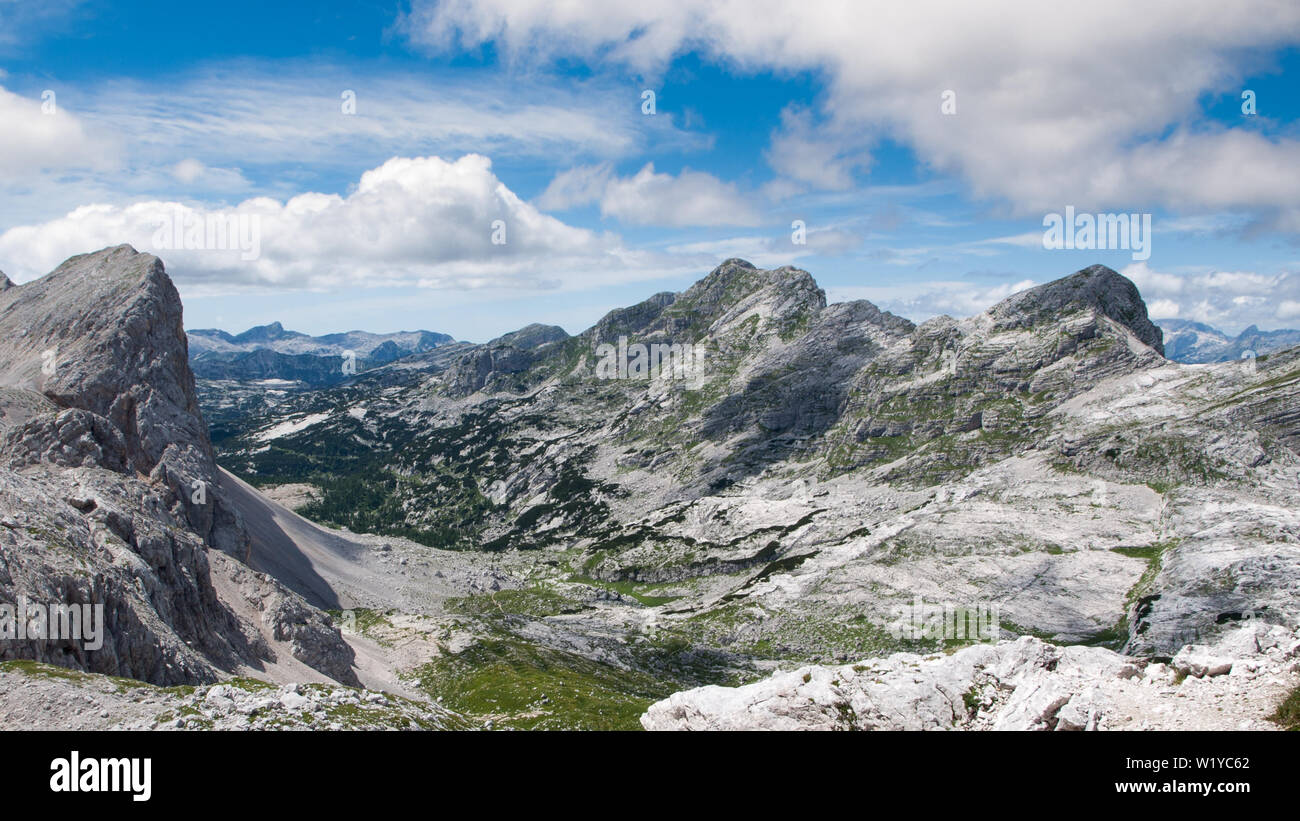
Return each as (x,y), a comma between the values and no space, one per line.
(111,493)
(531,336)
(1095,288)
(103,334)
(262,333)
(5,282)
(737,278)
(784,297)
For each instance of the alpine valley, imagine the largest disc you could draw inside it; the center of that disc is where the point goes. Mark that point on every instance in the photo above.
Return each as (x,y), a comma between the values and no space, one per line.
(456,535)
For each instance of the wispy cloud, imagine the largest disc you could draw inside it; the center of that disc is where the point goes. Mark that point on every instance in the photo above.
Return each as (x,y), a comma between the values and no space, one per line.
(249,127)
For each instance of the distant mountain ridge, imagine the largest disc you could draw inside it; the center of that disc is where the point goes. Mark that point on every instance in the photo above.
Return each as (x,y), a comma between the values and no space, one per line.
(1193,343)
(271,352)
(274,337)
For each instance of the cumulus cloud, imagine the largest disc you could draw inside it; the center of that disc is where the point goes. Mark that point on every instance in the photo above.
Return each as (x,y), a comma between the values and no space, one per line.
(1153,283)
(412,221)
(1163,309)
(1048,111)
(691,198)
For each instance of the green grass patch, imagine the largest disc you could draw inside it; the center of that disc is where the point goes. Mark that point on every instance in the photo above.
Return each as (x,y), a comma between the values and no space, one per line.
(524,686)
(630,589)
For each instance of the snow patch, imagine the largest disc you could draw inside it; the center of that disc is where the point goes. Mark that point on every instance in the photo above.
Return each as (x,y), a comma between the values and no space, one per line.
(291,426)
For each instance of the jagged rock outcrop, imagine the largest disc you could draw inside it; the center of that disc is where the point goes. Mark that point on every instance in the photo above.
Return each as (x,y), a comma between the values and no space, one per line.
(71,438)
(108,488)
(998,374)
(1026,684)
(533,336)
(785,377)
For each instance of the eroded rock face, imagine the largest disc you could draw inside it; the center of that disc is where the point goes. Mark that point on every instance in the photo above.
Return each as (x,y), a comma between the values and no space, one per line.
(87,535)
(109,492)
(71,438)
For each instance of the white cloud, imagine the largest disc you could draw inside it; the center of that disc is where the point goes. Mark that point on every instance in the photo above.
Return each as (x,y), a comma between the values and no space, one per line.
(294,112)
(1086,104)
(1153,283)
(1163,309)
(1227,300)
(775,249)
(1031,239)
(689,199)
(692,198)
(41,135)
(230,130)
(575,187)
(802,152)
(24,22)
(187,171)
(421,221)
(194,174)
(922,300)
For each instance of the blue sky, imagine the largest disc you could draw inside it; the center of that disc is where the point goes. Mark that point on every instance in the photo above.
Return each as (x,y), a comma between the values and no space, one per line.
(122,118)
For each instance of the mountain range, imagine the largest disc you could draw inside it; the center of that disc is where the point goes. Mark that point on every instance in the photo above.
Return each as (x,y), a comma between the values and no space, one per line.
(1195,342)
(506,535)
(271,352)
